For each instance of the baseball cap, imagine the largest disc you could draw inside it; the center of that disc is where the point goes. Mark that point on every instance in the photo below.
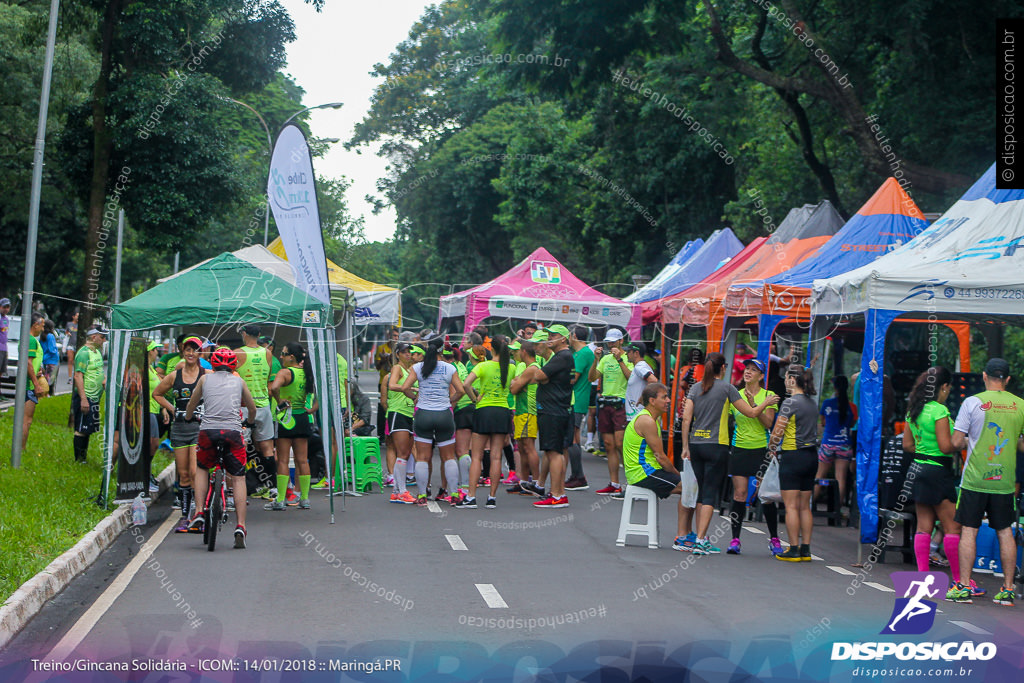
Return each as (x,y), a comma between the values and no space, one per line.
(266,340)
(639,347)
(98,329)
(997,368)
(757,364)
(195,341)
(5,302)
(153,345)
(613,335)
(514,346)
(207,344)
(559,329)
(416,349)
(539,336)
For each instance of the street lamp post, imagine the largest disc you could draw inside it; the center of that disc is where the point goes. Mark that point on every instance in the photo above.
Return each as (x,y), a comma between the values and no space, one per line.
(270,146)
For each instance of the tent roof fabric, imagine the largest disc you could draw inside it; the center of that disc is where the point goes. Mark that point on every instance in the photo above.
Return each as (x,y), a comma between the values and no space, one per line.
(221,290)
(719,249)
(654,288)
(693,303)
(889,219)
(967,262)
(336,274)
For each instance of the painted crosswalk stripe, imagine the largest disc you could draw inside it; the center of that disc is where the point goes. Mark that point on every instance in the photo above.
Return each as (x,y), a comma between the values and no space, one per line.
(878,586)
(433,506)
(816,558)
(840,570)
(967,626)
(455,542)
(491,596)
(753,530)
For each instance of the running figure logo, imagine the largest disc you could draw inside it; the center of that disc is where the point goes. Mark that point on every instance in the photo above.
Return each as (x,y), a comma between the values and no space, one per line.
(914,613)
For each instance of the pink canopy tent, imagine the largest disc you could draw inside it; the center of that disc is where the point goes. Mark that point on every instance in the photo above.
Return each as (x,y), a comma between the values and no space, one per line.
(540,288)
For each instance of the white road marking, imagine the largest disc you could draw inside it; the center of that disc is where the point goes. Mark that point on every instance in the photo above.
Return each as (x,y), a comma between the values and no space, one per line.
(840,570)
(753,530)
(878,586)
(816,558)
(73,638)
(433,506)
(491,596)
(455,542)
(967,626)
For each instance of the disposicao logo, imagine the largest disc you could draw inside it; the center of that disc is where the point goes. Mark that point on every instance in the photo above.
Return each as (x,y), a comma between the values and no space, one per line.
(545,272)
(914,614)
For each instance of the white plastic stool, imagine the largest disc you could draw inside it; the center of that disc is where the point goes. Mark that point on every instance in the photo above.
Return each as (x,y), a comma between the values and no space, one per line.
(650,527)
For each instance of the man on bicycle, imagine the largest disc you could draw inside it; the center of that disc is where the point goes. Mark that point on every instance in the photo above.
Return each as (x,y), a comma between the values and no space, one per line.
(223,394)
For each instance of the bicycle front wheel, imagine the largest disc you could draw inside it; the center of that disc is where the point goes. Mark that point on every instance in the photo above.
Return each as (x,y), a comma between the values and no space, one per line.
(216,510)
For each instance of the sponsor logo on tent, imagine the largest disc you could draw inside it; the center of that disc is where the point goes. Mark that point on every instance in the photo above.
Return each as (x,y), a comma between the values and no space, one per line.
(586,310)
(565,309)
(365,312)
(499,304)
(605,312)
(533,307)
(925,289)
(992,248)
(311,317)
(545,272)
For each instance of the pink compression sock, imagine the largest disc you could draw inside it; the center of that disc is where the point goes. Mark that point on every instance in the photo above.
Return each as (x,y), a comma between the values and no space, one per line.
(922,547)
(951,544)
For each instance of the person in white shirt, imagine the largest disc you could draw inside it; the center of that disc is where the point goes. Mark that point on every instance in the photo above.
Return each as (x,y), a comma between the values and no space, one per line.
(641,375)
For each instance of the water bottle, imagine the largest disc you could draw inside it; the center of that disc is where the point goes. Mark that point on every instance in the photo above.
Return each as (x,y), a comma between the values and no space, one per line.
(138,511)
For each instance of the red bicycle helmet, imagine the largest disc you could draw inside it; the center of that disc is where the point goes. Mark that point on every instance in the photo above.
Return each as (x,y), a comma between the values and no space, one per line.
(224,357)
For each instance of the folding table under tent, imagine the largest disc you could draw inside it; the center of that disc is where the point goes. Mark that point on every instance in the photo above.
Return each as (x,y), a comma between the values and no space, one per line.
(967,265)
(694,262)
(225,290)
(539,288)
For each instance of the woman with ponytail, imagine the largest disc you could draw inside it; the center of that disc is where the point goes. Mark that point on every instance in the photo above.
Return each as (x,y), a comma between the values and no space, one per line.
(928,437)
(707,448)
(439,390)
(490,418)
(838,416)
(290,388)
(796,432)
(399,423)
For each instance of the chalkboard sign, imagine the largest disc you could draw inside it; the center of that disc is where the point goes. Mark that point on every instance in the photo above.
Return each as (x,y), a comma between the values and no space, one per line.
(892,473)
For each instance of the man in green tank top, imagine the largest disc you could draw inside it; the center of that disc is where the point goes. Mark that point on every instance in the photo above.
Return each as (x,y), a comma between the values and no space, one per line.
(254,366)
(643,457)
(989,425)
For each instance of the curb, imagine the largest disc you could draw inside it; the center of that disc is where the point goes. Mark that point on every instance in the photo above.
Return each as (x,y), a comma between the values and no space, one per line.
(32,595)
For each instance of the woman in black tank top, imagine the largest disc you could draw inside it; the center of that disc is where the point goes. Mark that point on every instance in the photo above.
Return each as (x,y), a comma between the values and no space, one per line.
(184,435)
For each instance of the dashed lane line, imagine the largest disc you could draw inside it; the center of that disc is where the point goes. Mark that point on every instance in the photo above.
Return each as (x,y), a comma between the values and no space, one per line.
(455,542)
(491,596)
(878,586)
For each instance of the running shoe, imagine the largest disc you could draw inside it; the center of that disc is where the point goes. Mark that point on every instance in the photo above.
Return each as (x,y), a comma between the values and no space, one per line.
(270,494)
(466,503)
(275,505)
(491,503)
(410,480)
(404,498)
(320,485)
(936,560)
(421,500)
(805,553)
(230,503)
(552,502)
(291,498)
(196,525)
(154,487)
(775,546)
(512,478)
(704,547)
(1004,597)
(734,547)
(607,490)
(182,526)
(792,554)
(442,495)
(389,481)
(577,484)
(620,494)
(304,503)
(532,489)
(590,447)
(976,590)
(455,498)
(515,488)
(177,498)
(240,537)
(959,593)
(685,543)
(260,492)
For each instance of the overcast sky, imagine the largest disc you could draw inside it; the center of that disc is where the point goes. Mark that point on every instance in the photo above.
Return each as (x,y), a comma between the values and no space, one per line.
(331,59)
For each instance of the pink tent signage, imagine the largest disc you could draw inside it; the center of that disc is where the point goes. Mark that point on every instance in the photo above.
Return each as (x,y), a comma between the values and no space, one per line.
(540,288)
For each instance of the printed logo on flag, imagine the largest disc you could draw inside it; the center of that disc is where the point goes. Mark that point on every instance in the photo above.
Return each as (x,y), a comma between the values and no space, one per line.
(533,306)
(545,272)
(586,310)
(565,309)
(605,312)
(914,613)
(499,304)
(311,317)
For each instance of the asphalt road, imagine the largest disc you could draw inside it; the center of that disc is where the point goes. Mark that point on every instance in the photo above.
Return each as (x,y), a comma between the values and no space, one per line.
(513,592)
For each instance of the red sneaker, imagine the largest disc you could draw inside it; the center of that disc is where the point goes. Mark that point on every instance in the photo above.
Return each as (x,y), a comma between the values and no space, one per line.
(607,490)
(552,502)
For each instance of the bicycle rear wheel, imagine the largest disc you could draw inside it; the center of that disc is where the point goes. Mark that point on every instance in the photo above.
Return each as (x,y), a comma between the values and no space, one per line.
(215,511)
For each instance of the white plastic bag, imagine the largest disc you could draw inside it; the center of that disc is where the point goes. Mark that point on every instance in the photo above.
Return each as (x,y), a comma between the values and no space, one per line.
(688,493)
(770,490)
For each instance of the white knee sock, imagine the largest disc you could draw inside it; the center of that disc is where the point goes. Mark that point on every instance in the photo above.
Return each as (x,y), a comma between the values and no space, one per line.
(464,462)
(400,466)
(451,472)
(422,477)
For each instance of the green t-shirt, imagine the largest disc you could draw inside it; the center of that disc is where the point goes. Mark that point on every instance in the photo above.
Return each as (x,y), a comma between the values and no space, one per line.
(342,378)
(399,402)
(295,391)
(582,359)
(89,362)
(637,457)
(526,400)
(992,453)
(491,391)
(255,372)
(35,352)
(613,381)
(275,367)
(749,432)
(463,374)
(154,379)
(926,445)
(168,361)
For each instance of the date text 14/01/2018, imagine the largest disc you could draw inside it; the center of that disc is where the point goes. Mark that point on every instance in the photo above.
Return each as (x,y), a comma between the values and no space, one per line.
(297,665)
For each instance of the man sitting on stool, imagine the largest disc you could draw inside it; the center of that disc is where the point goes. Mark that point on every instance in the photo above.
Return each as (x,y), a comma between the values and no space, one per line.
(644,458)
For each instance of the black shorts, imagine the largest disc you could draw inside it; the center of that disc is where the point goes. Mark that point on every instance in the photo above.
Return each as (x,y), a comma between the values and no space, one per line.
(184,434)
(435,426)
(797,469)
(85,421)
(931,484)
(464,417)
(709,461)
(301,430)
(382,420)
(1000,507)
(593,396)
(225,446)
(554,431)
(747,462)
(492,420)
(662,482)
(399,423)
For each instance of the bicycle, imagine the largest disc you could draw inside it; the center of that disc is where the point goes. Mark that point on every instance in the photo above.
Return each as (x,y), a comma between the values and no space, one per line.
(215,509)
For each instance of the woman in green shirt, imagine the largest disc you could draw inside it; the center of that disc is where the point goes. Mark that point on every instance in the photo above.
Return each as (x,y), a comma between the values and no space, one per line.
(293,383)
(491,418)
(34,388)
(399,424)
(929,437)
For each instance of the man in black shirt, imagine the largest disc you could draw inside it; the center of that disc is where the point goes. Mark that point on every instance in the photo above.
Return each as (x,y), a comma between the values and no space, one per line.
(554,419)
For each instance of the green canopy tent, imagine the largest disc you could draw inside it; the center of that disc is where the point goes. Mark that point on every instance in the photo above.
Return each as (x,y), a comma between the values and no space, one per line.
(225,290)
